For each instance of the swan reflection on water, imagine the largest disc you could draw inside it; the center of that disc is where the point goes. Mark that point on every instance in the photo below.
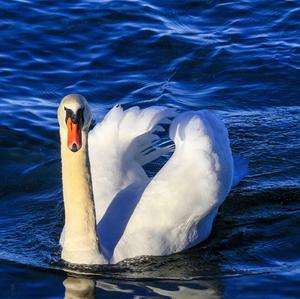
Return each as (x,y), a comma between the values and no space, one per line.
(79,287)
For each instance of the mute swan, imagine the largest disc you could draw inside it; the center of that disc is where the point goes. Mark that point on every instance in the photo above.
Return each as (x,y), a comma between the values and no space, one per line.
(113,210)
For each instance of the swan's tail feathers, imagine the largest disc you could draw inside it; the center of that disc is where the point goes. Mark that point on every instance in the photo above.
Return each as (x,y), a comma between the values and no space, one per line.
(240,168)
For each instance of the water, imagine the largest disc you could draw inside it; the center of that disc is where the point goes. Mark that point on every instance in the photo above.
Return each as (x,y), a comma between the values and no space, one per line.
(240,59)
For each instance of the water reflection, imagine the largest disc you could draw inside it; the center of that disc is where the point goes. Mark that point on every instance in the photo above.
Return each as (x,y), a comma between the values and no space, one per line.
(197,289)
(79,287)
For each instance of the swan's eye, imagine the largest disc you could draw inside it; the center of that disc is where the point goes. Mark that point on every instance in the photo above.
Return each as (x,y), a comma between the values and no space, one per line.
(80,116)
(69,113)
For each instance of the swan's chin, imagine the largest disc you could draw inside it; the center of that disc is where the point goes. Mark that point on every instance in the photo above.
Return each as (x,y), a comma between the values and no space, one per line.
(74,147)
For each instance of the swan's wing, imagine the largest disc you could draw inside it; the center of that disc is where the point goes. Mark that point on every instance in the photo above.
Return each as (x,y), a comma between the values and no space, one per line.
(119,146)
(178,206)
(240,168)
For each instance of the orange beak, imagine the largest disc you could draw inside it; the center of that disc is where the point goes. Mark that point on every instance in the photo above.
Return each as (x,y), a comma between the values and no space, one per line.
(74,135)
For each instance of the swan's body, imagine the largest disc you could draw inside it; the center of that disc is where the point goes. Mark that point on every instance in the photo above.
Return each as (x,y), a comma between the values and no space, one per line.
(135,215)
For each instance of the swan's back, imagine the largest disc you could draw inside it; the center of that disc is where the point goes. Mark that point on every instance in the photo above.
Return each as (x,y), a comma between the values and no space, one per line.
(178,206)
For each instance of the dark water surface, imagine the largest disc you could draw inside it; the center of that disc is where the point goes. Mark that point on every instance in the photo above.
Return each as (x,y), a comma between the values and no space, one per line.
(239,58)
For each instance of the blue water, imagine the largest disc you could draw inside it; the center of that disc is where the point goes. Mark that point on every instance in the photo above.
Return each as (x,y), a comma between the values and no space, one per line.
(238,58)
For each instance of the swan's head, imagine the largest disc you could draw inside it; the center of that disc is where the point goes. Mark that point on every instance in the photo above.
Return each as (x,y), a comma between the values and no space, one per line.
(74,117)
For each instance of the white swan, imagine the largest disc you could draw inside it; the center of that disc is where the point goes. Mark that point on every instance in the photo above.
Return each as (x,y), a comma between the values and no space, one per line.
(113,210)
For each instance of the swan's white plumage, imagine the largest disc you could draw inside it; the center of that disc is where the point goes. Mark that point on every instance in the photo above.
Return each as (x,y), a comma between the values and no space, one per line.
(173,211)
(177,208)
(116,150)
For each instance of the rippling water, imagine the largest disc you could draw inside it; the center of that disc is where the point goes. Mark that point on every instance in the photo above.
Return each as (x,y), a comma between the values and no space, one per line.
(239,58)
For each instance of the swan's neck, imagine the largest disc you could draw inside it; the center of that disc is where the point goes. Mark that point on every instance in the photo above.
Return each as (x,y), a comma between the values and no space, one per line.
(80,240)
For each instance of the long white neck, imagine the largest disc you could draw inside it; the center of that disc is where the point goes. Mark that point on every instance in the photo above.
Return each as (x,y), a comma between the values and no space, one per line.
(80,240)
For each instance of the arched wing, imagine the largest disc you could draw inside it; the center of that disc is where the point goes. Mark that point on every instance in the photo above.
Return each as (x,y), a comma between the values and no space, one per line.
(118,148)
(178,206)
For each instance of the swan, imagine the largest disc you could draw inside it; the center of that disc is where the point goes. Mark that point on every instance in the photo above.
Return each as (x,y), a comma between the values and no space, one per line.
(113,210)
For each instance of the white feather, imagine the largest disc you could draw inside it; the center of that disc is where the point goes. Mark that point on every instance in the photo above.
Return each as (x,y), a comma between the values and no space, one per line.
(115,152)
(177,208)
(173,211)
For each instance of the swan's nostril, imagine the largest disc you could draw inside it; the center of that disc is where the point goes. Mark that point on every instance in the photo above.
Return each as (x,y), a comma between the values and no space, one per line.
(74,148)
